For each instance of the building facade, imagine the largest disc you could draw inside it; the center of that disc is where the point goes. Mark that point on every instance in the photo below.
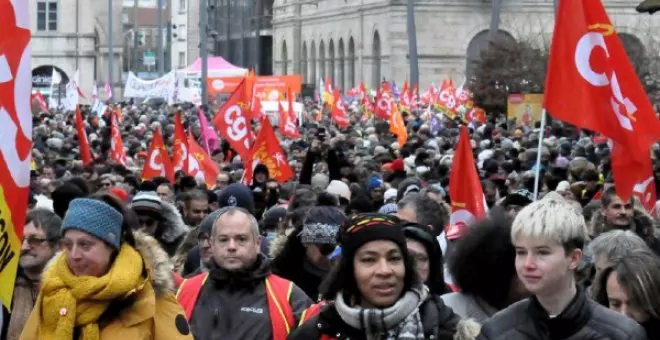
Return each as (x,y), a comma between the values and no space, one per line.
(70,35)
(350,41)
(179,34)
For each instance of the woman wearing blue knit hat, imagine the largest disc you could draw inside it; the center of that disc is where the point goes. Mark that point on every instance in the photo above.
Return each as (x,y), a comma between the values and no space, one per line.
(107,283)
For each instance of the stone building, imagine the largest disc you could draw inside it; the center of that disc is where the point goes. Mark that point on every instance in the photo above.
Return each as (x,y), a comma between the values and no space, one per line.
(353,40)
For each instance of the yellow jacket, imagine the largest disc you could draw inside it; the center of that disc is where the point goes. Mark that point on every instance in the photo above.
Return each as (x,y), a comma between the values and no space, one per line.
(155,314)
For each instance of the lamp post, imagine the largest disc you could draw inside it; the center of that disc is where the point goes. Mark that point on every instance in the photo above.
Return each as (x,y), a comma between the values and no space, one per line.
(161,52)
(203,52)
(412,43)
(110,44)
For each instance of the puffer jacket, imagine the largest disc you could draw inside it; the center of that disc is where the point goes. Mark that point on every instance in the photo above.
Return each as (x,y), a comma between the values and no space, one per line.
(583,319)
(173,229)
(141,316)
(643,224)
(438,320)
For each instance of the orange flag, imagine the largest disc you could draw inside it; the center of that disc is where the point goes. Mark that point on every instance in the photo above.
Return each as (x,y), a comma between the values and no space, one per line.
(117,152)
(201,165)
(267,150)
(158,163)
(232,122)
(85,152)
(397,125)
(339,114)
(180,147)
(467,197)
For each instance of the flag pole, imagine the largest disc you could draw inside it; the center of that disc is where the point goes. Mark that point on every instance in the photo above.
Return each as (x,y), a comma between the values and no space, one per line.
(537,172)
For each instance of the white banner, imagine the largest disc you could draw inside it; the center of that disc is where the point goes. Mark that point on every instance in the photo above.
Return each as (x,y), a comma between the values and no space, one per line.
(158,88)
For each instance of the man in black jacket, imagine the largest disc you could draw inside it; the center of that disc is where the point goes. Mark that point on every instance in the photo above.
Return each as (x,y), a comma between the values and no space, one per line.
(548,236)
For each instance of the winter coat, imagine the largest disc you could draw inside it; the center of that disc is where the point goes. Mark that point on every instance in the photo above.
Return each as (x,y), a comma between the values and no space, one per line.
(642,224)
(583,319)
(25,295)
(233,306)
(141,316)
(173,229)
(469,306)
(439,322)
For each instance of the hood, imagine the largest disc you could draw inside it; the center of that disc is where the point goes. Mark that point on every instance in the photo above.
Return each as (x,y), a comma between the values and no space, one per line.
(172,223)
(642,224)
(277,245)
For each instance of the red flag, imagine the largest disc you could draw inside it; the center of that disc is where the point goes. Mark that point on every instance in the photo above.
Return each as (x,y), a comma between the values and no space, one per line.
(467,196)
(201,165)
(289,99)
(117,152)
(85,152)
(633,177)
(180,147)
(447,98)
(267,151)
(476,114)
(591,83)
(16,134)
(406,100)
(339,114)
(232,123)
(40,100)
(397,126)
(287,127)
(158,162)
(383,108)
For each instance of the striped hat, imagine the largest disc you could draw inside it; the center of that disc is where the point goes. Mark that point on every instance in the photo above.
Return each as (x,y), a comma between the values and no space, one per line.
(147,202)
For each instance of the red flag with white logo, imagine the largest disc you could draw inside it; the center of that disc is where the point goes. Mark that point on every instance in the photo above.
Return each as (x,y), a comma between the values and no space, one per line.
(447,98)
(267,151)
(158,161)
(467,197)
(85,152)
(339,114)
(287,127)
(232,123)
(591,83)
(383,105)
(634,176)
(201,166)
(180,148)
(39,98)
(117,152)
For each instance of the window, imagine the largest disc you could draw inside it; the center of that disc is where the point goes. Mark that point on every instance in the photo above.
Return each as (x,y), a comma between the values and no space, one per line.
(182,5)
(182,59)
(47,15)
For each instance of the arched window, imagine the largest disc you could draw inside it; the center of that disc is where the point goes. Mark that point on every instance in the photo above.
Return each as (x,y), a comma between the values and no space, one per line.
(341,81)
(303,63)
(376,61)
(322,60)
(351,62)
(479,44)
(312,64)
(285,57)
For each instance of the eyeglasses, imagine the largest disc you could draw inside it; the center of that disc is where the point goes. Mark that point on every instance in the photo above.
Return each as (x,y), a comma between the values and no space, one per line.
(34,241)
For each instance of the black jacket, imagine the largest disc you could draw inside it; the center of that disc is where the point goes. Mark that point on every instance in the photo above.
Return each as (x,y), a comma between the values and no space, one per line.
(233,306)
(583,319)
(438,320)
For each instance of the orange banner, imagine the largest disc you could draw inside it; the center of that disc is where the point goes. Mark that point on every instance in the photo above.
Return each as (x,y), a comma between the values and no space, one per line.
(267,87)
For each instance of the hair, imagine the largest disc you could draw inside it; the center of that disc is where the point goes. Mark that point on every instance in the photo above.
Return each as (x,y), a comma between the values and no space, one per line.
(130,219)
(303,196)
(254,224)
(423,234)
(47,221)
(616,244)
(608,196)
(429,212)
(638,273)
(193,195)
(552,218)
(485,254)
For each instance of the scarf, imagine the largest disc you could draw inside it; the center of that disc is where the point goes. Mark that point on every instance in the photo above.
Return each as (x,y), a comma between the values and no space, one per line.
(68,301)
(401,321)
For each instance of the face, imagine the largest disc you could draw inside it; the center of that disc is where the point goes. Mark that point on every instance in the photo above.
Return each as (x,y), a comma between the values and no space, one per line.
(165,193)
(221,181)
(377,194)
(619,301)
(379,272)
(618,214)
(196,212)
(86,254)
(234,244)
(35,249)
(318,254)
(48,172)
(204,242)
(543,265)
(260,177)
(421,257)
(148,224)
(106,184)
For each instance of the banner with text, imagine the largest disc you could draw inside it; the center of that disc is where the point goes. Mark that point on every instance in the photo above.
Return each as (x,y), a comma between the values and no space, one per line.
(163,87)
(266,87)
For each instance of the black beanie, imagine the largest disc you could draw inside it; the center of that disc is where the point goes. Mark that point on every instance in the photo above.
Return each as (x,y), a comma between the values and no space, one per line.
(64,194)
(364,228)
(237,195)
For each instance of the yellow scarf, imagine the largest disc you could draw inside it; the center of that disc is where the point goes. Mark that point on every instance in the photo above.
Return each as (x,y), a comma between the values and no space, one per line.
(68,301)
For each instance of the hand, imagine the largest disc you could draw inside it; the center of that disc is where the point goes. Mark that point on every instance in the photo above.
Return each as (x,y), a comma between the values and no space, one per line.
(272,185)
(316,145)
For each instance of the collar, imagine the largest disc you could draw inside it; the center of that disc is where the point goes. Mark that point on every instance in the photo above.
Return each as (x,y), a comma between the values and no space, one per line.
(570,321)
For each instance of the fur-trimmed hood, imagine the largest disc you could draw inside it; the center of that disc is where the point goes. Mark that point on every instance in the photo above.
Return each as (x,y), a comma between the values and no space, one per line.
(172,223)
(642,224)
(277,245)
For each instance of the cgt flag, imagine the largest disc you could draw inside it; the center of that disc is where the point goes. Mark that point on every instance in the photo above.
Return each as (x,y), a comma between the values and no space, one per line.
(158,163)
(15,137)
(267,151)
(180,147)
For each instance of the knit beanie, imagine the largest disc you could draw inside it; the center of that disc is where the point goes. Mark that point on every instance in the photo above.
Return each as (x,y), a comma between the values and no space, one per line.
(389,208)
(340,189)
(321,225)
(64,194)
(95,217)
(237,195)
(407,186)
(364,228)
(147,202)
(375,182)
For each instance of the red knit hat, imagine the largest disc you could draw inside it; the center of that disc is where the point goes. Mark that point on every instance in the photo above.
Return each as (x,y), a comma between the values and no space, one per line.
(120,193)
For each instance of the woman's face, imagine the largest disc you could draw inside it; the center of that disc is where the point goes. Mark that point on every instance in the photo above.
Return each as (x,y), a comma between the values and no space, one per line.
(379,272)
(86,254)
(421,256)
(619,302)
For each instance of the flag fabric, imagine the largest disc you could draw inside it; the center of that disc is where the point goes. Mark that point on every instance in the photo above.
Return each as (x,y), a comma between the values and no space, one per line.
(476,114)
(405,98)
(267,151)
(108,91)
(290,98)
(180,147)
(633,174)
(117,152)
(210,139)
(321,91)
(232,124)
(16,134)
(339,114)
(397,125)
(158,160)
(85,152)
(287,127)
(55,80)
(447,98)
(39,98)
(201,165)
(467,197)
(95,93)
(591,83)
(383,109)
(76,81)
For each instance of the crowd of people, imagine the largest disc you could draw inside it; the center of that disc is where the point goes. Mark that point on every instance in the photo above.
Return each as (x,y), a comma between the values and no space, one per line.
(358,245)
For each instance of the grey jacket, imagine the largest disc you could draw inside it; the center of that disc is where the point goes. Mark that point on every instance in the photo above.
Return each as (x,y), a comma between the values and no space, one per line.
(469,306)
(235,306)
(583,319)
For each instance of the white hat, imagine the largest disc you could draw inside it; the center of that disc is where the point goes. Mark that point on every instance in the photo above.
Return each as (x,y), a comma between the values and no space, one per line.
(389,194)
(339,188)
